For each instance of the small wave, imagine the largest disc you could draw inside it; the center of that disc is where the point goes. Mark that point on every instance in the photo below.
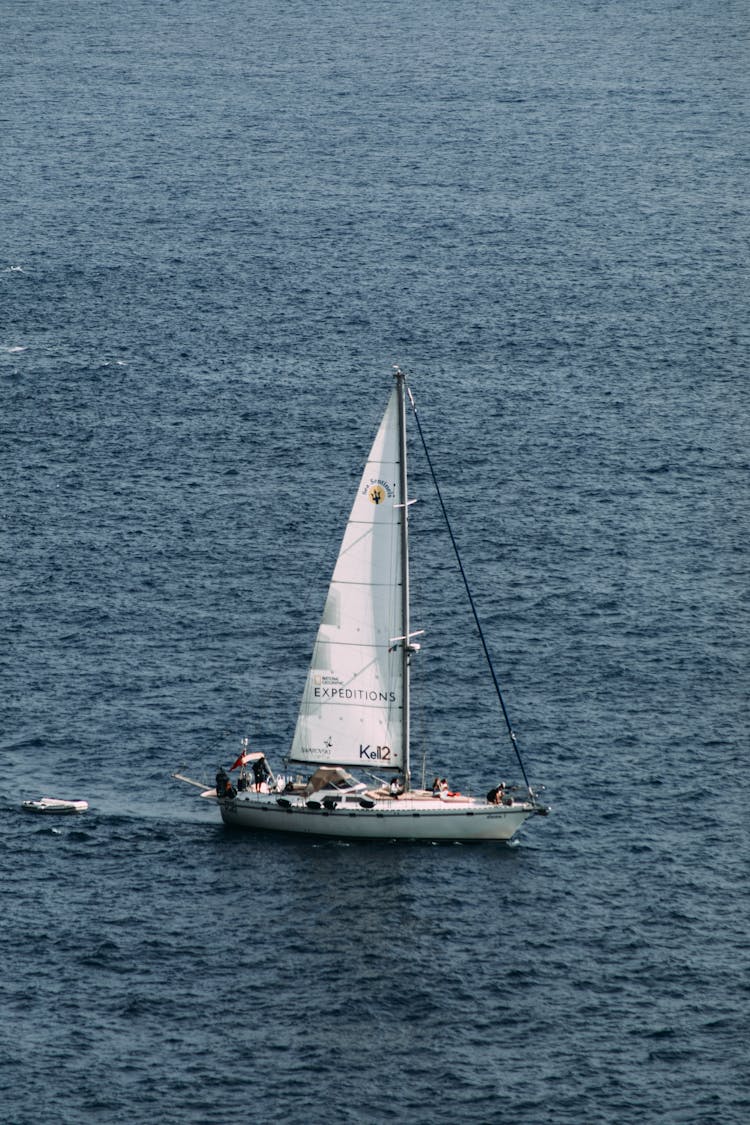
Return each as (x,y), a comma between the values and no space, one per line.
(35,742)
(658,1033)
(671,1056)
(12,349)
(139,1006)
(78,835)
(106,955)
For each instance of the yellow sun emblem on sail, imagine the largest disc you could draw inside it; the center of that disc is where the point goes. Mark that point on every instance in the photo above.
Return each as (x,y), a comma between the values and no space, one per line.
(377,494)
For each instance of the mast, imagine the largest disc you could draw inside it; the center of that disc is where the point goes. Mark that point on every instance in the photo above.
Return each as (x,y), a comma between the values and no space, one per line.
(406,643)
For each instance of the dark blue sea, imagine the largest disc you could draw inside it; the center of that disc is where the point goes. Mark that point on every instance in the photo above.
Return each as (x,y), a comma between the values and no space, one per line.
(221,225)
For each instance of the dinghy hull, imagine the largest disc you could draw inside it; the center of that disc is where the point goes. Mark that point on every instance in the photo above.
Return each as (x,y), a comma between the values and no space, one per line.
(52,806)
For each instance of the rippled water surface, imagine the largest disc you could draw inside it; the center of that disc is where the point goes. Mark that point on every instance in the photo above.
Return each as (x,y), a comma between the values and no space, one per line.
(222,224)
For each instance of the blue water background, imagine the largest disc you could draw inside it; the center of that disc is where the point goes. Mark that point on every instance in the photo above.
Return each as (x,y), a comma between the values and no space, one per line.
(221,224)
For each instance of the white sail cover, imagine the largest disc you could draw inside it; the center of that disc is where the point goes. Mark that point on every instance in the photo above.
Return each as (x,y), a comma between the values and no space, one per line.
(352,705)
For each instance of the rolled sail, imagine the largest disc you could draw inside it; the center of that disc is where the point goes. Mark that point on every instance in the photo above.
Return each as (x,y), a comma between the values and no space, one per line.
(352,705)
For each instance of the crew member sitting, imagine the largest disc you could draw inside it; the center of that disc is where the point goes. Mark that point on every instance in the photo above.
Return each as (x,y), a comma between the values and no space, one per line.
(445,790)
(396,787)
(224,787)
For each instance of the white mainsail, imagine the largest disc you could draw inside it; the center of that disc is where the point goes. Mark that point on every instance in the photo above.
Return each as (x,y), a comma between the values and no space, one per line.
(352,710)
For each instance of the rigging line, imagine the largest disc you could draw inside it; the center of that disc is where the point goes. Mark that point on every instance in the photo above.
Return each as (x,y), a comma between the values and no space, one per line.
(495,681)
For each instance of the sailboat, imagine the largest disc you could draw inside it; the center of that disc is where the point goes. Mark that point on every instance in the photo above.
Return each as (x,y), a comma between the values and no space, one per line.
(348,772)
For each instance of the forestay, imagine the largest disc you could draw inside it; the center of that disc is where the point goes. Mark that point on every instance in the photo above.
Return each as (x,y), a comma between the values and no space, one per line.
(352,705)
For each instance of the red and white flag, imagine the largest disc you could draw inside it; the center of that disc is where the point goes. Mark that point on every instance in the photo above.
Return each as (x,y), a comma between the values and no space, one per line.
(243,759)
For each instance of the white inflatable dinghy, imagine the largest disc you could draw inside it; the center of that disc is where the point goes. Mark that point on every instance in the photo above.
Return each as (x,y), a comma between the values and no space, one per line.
(51,805)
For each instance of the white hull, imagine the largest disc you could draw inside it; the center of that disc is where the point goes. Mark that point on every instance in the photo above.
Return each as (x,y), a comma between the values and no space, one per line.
(51,806)
(427,819)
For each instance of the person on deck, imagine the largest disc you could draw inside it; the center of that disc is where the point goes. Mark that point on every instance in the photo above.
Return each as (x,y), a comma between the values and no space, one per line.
(222,779)
(261,773)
